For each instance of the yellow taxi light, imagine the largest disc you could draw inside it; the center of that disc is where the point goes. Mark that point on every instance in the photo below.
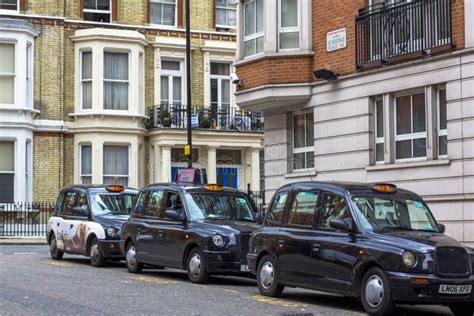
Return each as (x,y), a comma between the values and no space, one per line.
(115,188)
(419,281)
(384,187)
(213,187)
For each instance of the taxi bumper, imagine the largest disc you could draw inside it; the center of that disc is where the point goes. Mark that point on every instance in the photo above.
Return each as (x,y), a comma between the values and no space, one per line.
(110,248)
(252,262)
(404,291)
(224,262)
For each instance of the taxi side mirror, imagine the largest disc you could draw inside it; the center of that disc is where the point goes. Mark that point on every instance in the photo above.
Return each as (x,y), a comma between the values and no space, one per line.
(339,224)
(80,211)
(174,215)
(441,228)
(259,218)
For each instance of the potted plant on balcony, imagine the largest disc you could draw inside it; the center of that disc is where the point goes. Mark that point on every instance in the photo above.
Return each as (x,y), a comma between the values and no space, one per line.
(165,117)
(204,120)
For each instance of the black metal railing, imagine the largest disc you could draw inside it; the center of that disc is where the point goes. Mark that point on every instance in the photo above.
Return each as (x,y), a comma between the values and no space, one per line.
(213,117)
(384,30)
(24,219)
(258,198)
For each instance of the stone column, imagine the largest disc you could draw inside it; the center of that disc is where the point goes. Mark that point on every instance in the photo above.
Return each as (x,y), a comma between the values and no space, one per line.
(211,165)
(157,163)
(165,164)
(255,166)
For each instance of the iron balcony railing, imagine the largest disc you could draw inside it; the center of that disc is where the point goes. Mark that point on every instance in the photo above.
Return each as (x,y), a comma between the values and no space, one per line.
(385,30)
(25,219)
(213,117)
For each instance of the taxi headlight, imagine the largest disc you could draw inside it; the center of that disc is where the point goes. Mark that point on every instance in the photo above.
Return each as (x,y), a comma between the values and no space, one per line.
(218,240)
(409,259)
(111,231)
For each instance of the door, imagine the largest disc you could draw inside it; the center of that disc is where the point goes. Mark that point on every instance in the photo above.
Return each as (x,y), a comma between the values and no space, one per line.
(297,240)
(227,176)
(336,255)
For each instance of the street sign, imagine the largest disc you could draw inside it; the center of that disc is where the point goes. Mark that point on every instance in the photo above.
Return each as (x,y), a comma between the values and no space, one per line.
(194,121)
(336,40)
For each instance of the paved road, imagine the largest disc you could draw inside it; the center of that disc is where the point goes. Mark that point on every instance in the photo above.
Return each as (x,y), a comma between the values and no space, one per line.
(32,283)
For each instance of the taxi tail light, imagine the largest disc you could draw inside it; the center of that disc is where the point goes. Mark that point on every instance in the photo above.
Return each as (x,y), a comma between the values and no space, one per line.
(214,187)
(115,188)
(384,187)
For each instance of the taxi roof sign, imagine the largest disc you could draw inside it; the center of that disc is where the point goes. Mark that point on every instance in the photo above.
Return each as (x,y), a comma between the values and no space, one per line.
(191,175)
(214,187)
(115,188)
(384,187)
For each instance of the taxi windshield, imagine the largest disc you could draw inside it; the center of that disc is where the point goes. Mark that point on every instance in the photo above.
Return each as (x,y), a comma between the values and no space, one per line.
(383,212)
(220,206)
(114,204)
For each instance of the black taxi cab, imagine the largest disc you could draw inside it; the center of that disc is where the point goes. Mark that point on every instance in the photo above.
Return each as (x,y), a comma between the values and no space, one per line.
(87,220)
(201,228)
(375,242)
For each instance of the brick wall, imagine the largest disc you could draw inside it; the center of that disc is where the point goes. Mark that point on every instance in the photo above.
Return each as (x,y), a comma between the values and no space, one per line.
(47,166)
(275,70)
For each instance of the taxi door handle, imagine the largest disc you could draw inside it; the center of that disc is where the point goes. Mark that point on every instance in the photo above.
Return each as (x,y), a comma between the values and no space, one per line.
(71,226)
(281,242)
(160,234)
(57,224)
(316,247)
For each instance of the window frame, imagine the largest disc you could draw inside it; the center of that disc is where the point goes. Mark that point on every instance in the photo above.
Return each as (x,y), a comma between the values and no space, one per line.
(410,136)
(11,75)
(128,159)
(301,150)
(255,35)
(292,29)
(14,172)
(161,2)
(219,79)
(109,12)
(116,51)
(171,74)
(10,11)
(81,80)
(289,205)
(441,132)
(379,140)
(222,26)
(81,175)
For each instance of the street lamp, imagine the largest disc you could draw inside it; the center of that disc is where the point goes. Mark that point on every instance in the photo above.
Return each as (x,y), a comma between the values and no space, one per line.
(188,149)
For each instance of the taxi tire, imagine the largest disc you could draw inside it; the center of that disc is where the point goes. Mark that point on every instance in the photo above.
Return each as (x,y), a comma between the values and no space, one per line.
(387,306)
(462,309)
(138,265)
(56,254)
(276,288)
(98,260)
(203,275)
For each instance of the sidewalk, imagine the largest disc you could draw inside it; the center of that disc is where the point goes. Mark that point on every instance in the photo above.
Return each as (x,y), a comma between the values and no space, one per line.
(19,240)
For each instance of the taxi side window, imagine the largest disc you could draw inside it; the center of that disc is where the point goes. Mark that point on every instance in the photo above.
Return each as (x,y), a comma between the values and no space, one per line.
(275,214)
(81,201)
(154,205)
(69,203)
(173,202)
(303,208)
(333,207)
(140,206)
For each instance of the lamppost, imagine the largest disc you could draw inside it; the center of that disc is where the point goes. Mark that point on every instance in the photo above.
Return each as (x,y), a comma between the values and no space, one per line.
(188,149)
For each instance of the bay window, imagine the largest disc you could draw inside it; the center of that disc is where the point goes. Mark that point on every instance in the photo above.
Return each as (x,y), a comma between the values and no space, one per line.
(97,10)
(7,73)
(116,81)
(442,124)
(163,12)
(86,80)
(7,171)
(171,82)
(253,27)
(303,141)
(410,136)
(225,13)
(116,165)
(289,24)
(85,164)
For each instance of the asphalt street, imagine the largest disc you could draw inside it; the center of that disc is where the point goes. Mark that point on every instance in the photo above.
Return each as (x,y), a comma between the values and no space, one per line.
(33,284)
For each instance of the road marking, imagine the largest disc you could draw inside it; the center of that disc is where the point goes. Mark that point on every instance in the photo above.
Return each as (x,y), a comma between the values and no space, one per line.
(231,291)
(273,301)
(59,264)
(154,280)
(25,253)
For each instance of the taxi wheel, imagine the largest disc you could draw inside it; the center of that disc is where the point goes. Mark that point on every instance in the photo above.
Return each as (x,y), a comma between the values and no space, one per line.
(196,267)
(462,309)
(267,280)
(56,254)
(97,259)
(375,293)
(131,262)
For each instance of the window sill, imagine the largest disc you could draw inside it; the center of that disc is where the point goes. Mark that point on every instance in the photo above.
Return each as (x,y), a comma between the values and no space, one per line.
(301,173)
(257,57)
(412,164)
(124,113)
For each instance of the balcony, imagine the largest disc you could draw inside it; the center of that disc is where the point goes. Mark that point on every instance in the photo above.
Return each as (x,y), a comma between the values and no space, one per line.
(387,31)
(214,118)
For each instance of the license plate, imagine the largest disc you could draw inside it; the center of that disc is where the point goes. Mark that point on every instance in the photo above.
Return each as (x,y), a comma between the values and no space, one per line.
(244,268)
(454,289)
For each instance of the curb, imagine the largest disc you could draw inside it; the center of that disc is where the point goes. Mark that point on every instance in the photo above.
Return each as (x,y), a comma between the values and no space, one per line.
(22,241)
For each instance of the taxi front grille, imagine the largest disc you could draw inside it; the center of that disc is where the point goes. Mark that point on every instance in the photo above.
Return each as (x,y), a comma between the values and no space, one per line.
(244,246)
(452,262)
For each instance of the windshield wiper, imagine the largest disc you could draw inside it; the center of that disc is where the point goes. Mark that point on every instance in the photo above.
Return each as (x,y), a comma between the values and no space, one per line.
(388,228)
(214,218)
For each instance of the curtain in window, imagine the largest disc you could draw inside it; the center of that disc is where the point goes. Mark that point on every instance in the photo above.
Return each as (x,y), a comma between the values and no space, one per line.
(116,81)
(87,80)
(7,73)
(8,5)
(116,165)
(163,12)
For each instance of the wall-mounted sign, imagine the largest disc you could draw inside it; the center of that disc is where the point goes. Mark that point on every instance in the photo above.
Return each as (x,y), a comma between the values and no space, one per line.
(336,40)
(194,121)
